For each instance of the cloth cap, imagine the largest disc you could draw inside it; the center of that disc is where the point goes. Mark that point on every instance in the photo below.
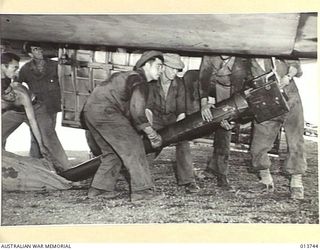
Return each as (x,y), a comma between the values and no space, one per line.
(173,61)
(146,56)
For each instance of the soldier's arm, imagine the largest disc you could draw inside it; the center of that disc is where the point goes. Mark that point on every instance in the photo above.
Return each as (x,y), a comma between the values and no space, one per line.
(294,68)
(181,100)
(22,75)
(206,70)
(138,102)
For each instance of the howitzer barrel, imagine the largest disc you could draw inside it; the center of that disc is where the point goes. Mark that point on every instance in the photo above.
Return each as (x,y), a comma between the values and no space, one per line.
(263,103)
(193,126)
(189,128)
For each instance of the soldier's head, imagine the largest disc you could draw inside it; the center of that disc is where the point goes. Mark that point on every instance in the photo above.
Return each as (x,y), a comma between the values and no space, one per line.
(34,50)
(151,62)
(9,64)
(172,65)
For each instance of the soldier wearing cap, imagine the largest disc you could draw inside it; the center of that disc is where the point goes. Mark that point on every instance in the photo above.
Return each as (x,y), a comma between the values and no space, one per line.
(166,105)
(41,76)
(115,114)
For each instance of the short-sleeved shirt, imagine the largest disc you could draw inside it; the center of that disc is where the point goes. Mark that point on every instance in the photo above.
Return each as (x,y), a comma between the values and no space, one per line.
(45,85)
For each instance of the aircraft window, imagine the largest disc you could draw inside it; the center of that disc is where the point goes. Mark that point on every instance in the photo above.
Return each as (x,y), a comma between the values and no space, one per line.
(194,62)
(120,58)
(100,56)
(84,55)
(190,64)
(134,58)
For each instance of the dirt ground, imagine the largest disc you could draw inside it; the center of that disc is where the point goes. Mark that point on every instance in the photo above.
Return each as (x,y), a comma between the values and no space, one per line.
(211,205)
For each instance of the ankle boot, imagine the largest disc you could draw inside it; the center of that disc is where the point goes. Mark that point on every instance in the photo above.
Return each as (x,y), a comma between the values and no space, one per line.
(266,180)
(296,187)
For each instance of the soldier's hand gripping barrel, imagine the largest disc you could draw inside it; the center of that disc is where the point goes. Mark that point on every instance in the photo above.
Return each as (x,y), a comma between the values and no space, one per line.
(193,126)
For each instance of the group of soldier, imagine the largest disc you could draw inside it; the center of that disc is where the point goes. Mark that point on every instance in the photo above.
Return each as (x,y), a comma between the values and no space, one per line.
(130,104)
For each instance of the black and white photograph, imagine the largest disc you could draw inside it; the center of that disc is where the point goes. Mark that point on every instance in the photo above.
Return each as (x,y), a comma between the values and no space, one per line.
(116,119)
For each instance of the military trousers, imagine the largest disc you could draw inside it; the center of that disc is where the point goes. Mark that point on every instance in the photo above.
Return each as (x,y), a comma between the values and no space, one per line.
(184,167)
(219,162)
(265,133)
(120,145)
(12,119)
(34,146)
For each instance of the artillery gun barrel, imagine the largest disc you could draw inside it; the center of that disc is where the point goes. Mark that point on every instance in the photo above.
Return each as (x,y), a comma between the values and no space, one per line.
(262,103)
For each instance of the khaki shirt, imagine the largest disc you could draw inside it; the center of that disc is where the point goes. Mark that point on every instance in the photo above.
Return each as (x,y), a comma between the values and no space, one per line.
(45,85)
(231,76)
(167,108)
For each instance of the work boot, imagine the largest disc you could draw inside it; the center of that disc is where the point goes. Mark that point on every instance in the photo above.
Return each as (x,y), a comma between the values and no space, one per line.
(265,184)
(94,192)
(209,173)
(296,187)
(146,196)
(223,182)
(191,188)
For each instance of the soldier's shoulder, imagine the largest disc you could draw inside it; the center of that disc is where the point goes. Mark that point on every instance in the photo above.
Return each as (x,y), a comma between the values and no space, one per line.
(134,76)
(27,65)
(52,63)
(178,80)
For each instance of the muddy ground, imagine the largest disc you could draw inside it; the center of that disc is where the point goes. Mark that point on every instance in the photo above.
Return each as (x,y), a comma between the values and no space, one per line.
(211,205)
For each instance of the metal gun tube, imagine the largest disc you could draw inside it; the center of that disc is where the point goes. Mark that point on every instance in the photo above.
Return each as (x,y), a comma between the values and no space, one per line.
(193,126)
(189,128)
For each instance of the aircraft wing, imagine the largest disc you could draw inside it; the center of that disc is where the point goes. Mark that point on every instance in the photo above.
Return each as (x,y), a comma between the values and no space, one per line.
(291,34)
